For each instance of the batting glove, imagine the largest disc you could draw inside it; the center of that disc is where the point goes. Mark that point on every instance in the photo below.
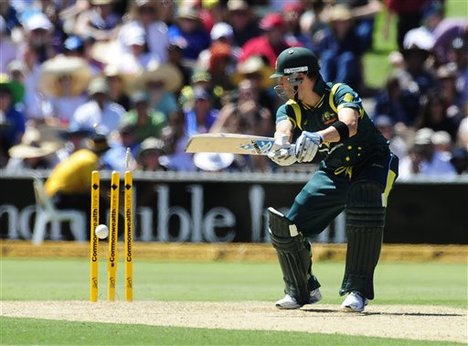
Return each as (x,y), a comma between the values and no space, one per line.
(282,153)
(307,145)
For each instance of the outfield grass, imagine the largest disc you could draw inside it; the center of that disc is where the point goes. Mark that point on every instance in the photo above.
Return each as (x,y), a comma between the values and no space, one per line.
(66,279)
(27,331)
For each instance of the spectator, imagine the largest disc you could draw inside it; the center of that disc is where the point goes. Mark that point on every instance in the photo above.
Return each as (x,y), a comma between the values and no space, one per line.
(444,30)
(292,12)
(75,139)
(10,16)
(462,135)
(364,12)
(114,159)
(417,48)
(341,50)
(38,32)
(98,113)
(149,154)
(270,43)
(201,116)
(100,21)
(176,58)
(119,83)
(145,14)
(189,33)
(145,121)
(75,46)
(175,139)
(32,152)
(36,107)
(64,80)
(423,160)
(409,16)
(258,72)
(7,47)
(434,115)
(246,115)
(400,105)
(442,141)
(134,58)
(162,81)
(214,162)
(221,32)
(221,66)
(15,73)
(243,21)
(13,120)
(397,144)
(453,98)
(459,160)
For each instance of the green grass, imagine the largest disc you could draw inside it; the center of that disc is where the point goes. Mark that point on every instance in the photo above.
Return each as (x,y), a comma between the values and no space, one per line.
(17,331)
(67,279)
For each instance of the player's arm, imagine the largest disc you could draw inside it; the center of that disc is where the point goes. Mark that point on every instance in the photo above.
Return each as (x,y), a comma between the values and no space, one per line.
(343,128)
(284,128)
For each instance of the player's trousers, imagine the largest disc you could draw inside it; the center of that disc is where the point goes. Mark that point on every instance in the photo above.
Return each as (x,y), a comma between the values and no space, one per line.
(327,193)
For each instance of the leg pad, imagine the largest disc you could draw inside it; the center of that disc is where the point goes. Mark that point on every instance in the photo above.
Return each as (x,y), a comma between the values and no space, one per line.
(365,218)
(293,256)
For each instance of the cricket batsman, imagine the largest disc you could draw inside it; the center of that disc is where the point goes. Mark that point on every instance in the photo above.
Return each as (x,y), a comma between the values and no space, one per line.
(356,174)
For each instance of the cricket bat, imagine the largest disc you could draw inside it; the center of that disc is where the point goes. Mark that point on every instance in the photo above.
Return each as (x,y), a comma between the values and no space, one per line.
(229,143)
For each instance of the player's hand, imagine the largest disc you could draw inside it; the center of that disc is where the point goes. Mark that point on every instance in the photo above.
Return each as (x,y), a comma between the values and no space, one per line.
(307,145)
(282,152)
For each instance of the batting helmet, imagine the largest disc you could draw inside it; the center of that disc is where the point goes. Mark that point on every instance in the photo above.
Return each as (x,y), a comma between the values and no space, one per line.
(295,60)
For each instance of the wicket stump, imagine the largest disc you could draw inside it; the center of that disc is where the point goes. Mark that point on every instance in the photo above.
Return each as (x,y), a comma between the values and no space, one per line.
(113,235)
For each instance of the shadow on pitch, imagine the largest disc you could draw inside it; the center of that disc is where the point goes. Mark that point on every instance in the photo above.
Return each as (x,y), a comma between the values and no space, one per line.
(422,314)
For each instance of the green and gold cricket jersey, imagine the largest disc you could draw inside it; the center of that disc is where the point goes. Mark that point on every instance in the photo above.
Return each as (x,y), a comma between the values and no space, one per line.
(342,156)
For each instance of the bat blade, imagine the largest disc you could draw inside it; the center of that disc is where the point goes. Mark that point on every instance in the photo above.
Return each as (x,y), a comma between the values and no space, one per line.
(229,143)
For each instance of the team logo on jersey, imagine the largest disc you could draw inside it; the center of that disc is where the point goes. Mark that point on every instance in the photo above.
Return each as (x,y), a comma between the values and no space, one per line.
(348,97)
(329,118)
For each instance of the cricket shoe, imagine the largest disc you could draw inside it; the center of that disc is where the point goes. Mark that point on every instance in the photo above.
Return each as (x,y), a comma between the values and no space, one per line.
(354,302)
(289,302)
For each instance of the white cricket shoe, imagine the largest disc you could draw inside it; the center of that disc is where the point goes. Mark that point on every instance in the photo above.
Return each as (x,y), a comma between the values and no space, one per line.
(354,302)
(289,302)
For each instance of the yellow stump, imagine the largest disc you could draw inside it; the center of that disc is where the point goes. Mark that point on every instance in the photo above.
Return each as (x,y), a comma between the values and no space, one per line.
(128,235)
(113,235)
(93,239)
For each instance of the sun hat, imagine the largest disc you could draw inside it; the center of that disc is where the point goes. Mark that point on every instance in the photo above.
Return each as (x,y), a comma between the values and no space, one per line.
(32,145)
(213,162)
(98,86)
(220,30)
(59,66)
(254,65)
(166,73)
(151,144)
(37,21)
(340,13)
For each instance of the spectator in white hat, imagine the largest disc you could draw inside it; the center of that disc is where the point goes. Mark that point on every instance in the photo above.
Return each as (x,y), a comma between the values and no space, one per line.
(98,113)
(423,160)
(135,59)
(221,32)
(146,14)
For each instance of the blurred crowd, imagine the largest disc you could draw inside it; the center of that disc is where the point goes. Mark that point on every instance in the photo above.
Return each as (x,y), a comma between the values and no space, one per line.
(147,74)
